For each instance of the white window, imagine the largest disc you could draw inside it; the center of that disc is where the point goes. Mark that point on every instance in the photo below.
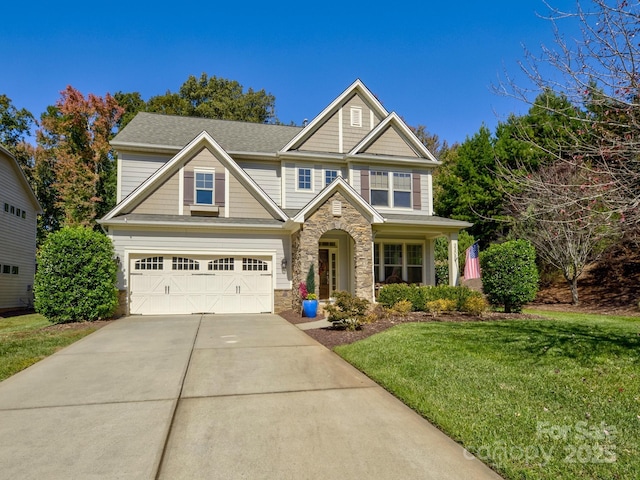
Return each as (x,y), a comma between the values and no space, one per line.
(181,263)
(150,263)
(390,189)
(379,188)
(204,187)
(402,190)
(398,262)
(254,264)
(304,178)
(330,176)
(356,116)
(222,264)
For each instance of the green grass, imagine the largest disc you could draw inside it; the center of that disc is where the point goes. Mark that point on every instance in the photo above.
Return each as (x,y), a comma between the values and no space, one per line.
(535,399)
(25,340)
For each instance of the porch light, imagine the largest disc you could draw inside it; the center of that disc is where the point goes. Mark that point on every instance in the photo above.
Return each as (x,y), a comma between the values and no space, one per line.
(283,263)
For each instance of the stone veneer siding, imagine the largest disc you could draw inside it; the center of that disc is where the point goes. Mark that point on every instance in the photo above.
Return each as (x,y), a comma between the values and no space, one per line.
(304,245)
(282,300)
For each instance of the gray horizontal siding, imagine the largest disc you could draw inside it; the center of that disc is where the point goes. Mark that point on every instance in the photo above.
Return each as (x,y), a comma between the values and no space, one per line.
(267,176)
(135,169)
(391,143)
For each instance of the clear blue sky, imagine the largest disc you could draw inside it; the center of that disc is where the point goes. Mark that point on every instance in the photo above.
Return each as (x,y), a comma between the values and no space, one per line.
(431,62)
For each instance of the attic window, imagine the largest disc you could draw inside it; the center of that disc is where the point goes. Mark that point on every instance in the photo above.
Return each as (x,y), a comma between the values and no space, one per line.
(356,116)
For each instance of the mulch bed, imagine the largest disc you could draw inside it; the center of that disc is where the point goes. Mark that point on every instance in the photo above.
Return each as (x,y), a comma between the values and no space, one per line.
(330,337)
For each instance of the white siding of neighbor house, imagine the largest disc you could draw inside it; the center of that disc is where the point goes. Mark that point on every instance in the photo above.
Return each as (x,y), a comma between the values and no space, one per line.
(17,237)
(267,176)
(201,242)
(135,169)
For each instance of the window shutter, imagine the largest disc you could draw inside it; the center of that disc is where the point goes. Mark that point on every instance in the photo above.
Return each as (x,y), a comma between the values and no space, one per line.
(417,205)
(364,184)
(188,188)
(219,189)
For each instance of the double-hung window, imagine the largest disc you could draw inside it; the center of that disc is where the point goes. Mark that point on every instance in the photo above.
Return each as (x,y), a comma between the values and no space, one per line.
(304,178)
(402,190)
(204,187)
(379,188)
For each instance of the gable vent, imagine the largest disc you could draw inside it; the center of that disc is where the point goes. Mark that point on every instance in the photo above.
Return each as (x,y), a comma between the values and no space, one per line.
(356,117)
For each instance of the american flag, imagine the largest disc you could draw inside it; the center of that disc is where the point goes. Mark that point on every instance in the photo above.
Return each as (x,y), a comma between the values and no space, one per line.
(472,262)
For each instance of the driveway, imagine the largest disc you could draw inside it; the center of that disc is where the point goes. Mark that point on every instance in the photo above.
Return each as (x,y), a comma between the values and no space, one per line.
(212,397)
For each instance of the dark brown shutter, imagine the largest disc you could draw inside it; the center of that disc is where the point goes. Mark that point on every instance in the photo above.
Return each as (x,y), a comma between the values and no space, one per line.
(417,199)
(364,184)
(188,188)
(219,189)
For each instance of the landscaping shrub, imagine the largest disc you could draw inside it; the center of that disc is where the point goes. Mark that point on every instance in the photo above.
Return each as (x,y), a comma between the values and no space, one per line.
(436,307)
(347,312)
(419,296)
(402,308)
(393,293)
(475,305)
(509,274)
(76,276)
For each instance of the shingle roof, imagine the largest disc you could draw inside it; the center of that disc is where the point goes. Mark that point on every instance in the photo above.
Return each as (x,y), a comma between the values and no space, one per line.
(159,130)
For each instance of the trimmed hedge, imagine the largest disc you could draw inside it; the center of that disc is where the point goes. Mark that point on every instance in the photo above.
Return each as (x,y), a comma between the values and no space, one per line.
(76,276)
(420,296)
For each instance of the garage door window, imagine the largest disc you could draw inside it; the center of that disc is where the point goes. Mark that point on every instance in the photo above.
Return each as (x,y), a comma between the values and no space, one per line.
(222,264)
(150,263)
(253,264)
(181,263)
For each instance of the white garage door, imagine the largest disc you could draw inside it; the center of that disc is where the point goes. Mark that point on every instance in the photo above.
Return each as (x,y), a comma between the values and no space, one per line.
(171,284)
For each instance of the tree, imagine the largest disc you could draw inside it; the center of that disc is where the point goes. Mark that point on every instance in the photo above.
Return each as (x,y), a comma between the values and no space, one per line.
(568,228)
(15,126)
(442,256)
(598,73)
(76,276)
(210,97)
(467,187)
(75,155)
(509,274)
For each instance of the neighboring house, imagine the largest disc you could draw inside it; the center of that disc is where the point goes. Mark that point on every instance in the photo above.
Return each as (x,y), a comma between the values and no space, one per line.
(19,209)
(226,217)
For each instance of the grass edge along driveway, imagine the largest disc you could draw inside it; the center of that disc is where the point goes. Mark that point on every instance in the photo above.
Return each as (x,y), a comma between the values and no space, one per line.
(534,399)
(27,339)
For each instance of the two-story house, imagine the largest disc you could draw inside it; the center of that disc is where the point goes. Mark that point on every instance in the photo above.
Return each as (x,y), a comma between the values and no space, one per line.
(226,217)
(19,209)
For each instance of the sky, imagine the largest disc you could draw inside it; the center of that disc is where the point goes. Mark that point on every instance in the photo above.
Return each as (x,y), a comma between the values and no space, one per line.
(433,63)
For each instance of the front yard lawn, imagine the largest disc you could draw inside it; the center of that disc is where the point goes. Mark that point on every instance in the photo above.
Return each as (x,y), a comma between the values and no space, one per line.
(27,339)
(534,399)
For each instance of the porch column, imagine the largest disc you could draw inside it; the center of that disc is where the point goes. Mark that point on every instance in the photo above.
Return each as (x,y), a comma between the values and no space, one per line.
(453,259)
(430,263)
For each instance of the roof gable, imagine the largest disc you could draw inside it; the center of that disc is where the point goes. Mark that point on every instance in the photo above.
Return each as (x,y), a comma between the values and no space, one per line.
(357,93)
(22,179)
(393,131)
(164,173)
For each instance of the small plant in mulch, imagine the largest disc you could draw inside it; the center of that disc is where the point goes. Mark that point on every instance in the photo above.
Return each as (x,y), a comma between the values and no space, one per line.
(347,312)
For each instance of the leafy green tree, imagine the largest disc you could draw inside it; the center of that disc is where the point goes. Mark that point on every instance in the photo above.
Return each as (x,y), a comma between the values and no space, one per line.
(76,276)
(468,187)
(210,97)
(509,274)
(15,126)
(442,255)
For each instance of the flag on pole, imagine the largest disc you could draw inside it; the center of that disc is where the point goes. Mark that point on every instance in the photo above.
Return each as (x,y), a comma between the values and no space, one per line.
(472,262)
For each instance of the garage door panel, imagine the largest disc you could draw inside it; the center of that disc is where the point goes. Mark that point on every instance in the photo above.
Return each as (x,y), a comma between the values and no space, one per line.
(233,285)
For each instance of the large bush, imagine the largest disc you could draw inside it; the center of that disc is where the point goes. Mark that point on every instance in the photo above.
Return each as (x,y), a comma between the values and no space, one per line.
(76,276)
(421,296)
(509,274)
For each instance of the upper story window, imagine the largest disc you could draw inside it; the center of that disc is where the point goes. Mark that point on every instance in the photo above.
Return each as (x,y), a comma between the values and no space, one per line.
(330,176)
(379,188)
(356,116)
(304,178)
(204,187)
(390,189)
(402,190)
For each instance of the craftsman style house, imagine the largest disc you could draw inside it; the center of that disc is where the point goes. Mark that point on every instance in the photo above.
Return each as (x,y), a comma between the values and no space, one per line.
(226,217)
(19,209)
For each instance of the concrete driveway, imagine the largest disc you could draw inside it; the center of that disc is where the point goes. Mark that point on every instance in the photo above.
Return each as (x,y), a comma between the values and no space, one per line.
(212,397)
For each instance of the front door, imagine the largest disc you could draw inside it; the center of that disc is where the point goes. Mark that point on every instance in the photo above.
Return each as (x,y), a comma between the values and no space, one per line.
(328,272)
